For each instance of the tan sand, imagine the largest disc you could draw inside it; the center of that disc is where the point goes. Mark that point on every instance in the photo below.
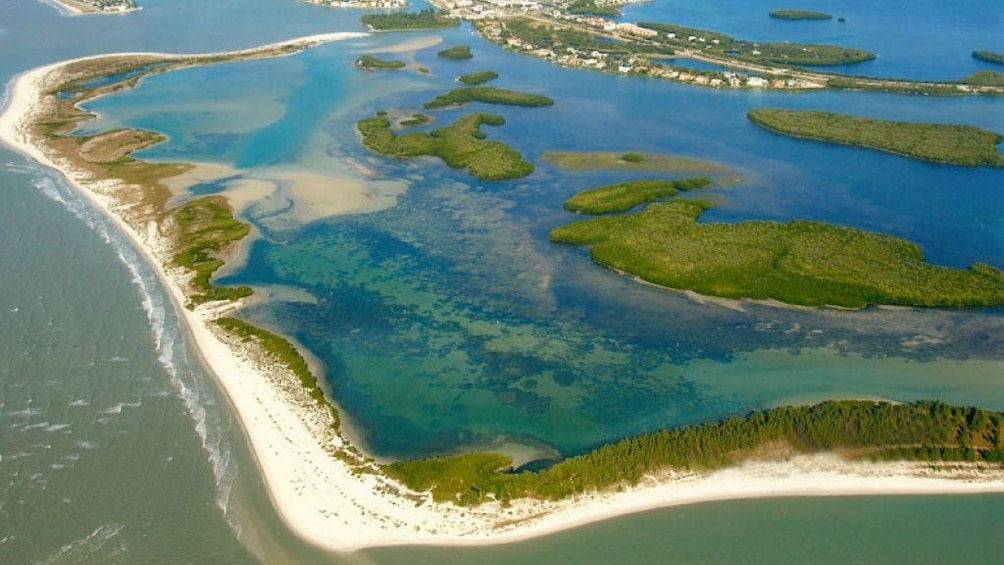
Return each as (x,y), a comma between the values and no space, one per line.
(323,499)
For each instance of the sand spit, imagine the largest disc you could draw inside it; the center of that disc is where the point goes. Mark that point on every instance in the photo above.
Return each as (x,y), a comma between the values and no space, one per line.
(333,498)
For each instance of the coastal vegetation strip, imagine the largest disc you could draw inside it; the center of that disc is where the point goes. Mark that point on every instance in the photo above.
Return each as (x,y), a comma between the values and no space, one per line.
(985,78)
(989,57)
(477,78)
(924,431)
(629,160)
(799,15)
(461,145)
(720,45)
(283,352)
(370,62)
(621,197)
(798,262)
(488,95)
(456,53)
(205,231)
(939,143)
(593,8)
(423,19)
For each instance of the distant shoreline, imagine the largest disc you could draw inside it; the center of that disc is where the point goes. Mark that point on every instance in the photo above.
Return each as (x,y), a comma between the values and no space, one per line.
(82,7)
(343,505)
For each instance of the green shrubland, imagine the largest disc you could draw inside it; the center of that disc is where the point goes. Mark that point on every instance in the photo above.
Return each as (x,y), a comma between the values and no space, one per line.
(940,143)
(924,431)
(461,145)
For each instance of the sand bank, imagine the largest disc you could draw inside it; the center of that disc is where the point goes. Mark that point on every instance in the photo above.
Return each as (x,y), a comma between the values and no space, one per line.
(332,499)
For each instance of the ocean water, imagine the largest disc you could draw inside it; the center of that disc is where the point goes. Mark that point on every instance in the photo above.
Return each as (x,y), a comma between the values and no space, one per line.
(447,320)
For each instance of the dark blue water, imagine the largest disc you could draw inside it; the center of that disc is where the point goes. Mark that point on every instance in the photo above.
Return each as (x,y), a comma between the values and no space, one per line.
(923,40)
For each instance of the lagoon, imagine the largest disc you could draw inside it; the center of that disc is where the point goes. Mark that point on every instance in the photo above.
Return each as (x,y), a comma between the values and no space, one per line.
(531,343)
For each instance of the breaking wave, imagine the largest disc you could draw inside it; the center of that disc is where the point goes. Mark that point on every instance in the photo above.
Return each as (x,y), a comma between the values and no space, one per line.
(187,377)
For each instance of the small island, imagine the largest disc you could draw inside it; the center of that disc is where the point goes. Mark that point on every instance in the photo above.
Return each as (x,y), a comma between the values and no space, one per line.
(456,53)
(623,196)
(480,77)
(989,57)
(369,62)
(488,95)
(937,143)
(461,145)
(799,15)
(799,262)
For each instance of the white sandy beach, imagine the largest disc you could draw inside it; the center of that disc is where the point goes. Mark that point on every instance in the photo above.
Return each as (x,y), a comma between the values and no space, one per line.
(328,503)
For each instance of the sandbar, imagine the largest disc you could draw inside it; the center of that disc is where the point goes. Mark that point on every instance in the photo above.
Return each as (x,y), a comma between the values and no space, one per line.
(343,504)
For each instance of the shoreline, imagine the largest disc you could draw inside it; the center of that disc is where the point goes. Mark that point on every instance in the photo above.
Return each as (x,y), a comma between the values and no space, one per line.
(342,504)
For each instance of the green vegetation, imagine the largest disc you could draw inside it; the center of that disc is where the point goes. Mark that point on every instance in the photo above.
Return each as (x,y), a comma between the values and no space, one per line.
(460,145)
(898,86)
(939,143)
(487,95)
(415,120)
(722,46)
(474,79)
(592,8)
(925,431)
(205,230)
(799,15)
(985,78)
(549,36)
(371,62)
(593,160)
(424,19)
(798,262)
(989,57)
(458,52)
(626,195)
(281,351)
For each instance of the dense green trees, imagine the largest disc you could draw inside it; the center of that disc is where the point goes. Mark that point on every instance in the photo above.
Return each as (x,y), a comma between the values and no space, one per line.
(940,143)
(487,95)
(721,45)
(623,196)
(424,19)
(797,262)
(481,77)
(457,52)
(460,145)
(371,62)
(800,15)
(989,57)
(925,431)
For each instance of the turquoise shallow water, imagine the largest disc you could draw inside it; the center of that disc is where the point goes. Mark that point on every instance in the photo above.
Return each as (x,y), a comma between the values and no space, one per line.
(448,320)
